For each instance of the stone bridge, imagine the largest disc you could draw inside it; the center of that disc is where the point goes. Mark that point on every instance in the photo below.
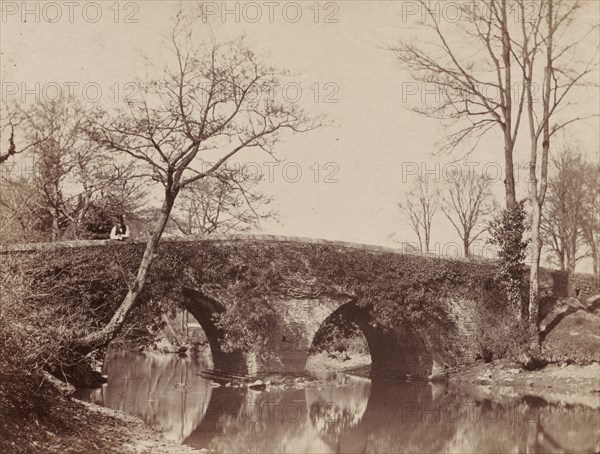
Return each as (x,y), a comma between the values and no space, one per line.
(419,314)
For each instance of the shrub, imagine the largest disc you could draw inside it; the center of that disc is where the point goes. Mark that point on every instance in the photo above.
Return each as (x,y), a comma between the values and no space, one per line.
(507,233)
(48,302)
(500,334)
(32,340)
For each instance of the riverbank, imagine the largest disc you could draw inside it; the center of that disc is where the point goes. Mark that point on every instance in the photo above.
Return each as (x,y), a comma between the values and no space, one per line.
(569,384)
(338,361)
(72,426)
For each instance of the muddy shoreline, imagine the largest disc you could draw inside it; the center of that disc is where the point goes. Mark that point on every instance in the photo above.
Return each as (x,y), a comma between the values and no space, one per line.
(569,384)
(566,384)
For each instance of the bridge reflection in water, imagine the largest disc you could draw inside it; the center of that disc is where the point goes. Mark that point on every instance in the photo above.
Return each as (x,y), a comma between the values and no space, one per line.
(348,414)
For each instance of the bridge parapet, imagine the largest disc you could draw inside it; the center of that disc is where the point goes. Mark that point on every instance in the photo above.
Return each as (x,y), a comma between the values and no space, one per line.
(228,238)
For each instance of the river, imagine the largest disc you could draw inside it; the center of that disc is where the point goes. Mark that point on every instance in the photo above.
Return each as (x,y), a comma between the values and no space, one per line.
(346,414)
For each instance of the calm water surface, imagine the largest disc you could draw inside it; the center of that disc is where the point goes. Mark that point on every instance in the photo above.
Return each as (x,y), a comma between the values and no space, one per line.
(346,415)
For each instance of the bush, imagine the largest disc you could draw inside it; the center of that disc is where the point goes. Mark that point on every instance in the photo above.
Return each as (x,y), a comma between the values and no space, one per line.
(32,340)
(44,311)
(507,232)
(500,334)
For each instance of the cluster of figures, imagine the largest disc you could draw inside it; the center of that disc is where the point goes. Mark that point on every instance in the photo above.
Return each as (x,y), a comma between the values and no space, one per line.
(120,231)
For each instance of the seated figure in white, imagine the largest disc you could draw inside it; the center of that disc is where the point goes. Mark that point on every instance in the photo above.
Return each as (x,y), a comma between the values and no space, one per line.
(120,231)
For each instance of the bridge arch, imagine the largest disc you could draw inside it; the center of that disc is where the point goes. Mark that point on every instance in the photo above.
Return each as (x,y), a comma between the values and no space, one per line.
(400,351)
(203,309)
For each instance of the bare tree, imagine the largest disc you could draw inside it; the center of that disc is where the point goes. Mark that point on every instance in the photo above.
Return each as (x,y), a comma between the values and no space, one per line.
(590,223)
(227,202)
(70,175)
(558,75)
(9,122)
(471,66)
(525,50)
(466,200)
(475,89)
(11,146)
(563,214)
(213,102)
(420,204)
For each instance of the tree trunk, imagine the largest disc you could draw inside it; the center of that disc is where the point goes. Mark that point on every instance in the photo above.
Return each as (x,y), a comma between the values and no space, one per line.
(55,226)
(561,259)
(537,197)
(590,240)
(594,250)
(466,246)
(534,283)
(509,181)
(105,335)
(571,264)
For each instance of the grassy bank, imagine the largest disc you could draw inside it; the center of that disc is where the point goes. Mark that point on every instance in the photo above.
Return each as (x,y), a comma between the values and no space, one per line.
(71,426)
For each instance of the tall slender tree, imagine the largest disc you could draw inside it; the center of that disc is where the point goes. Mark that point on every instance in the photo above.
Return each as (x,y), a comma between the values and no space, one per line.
(475,90)
(557,75)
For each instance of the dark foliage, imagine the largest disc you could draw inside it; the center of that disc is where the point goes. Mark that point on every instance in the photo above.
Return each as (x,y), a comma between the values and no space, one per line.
(507,232)
(98,223)
(339,334)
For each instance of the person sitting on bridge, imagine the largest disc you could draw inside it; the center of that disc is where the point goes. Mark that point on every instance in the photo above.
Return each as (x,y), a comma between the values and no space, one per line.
(120,231)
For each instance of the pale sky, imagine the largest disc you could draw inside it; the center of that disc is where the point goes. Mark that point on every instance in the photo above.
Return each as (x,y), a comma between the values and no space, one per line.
(342,52)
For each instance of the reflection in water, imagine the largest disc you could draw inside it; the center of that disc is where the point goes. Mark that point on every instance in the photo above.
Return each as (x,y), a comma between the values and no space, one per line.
(164,390)
(338,407)
(348,414)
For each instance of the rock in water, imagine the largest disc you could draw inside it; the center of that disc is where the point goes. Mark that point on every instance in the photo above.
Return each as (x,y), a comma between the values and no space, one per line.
(258,385)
